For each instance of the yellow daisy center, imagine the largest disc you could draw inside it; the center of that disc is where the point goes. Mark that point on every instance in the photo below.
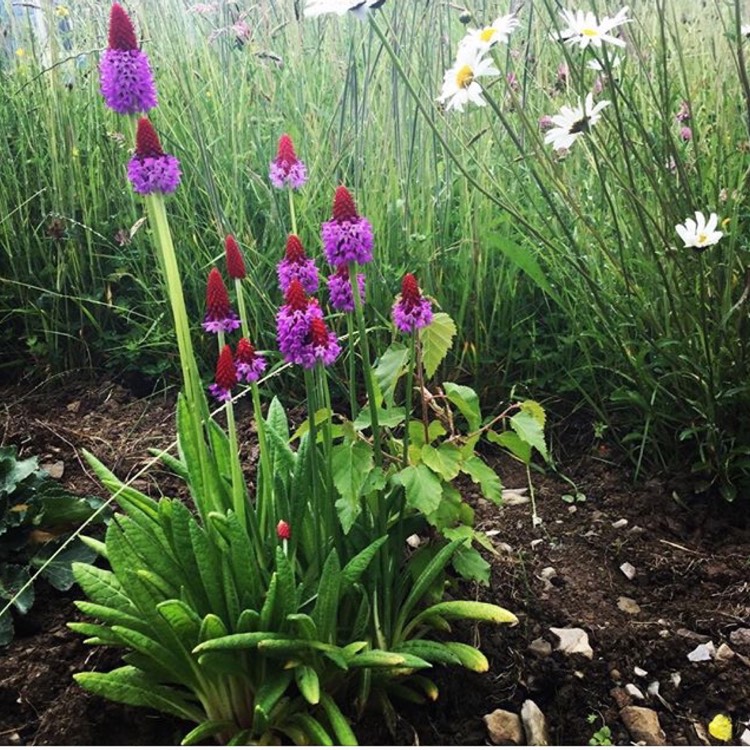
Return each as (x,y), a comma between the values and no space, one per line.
(487,34)
(702,239)
(464,76)
(590,32)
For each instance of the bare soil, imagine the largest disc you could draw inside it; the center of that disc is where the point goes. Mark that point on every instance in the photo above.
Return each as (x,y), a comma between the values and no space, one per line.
(692,584)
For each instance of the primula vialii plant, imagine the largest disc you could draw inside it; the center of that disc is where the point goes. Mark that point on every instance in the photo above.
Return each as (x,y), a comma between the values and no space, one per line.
(290,600)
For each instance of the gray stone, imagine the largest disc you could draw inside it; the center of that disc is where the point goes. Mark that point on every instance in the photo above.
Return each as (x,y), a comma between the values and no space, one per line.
(745,738)
(540,647)
(628,570)
(703,652)
(573,641)
(724,653)
(534,724)
(740,637)
(634,692)
(643,725)
(504,728)
(628,605)
(621,524)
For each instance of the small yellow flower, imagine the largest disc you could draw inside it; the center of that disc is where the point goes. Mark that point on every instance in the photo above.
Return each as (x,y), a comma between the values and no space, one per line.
(62,11)
(75,153)
(726,222)
(721,727)
(21,52)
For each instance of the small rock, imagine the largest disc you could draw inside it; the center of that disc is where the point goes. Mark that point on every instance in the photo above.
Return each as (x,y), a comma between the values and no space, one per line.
(73,407)
(536,520)
(621,697)
(413,541)
(745,738)
(516,497)
(690,634)
(534,724)
(643,725)
(572,509)
(701,733)
(504,728)
(653,689)
(535,543)
(724,653)
(628,570)
(621,524)
(740,637)
(635,530)
(573,641)
(634,692)
(547,575)
(676,678)
(540,647)
(638,672)
(504,547)
(615,675)
(14,738)
(55,469)
(703,652)
(628,605)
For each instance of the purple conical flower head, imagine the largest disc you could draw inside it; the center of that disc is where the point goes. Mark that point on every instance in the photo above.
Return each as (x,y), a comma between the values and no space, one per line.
(296,265)
(340,290)
(321,345)
(286,168)
(127,83)
(347,237)
(293,322)
(250,365)
(411,311)
(151,170)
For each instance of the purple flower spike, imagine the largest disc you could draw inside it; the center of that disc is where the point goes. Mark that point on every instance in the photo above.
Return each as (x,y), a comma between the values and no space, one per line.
(219,313)
(411,311)
(347,237)
(250,365)
(321,345)
(296,265)
(286,169)
(293,322)
(127,83)
(151,170)
(340,289)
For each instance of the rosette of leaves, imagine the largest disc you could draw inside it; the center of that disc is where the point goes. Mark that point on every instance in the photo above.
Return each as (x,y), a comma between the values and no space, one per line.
(37,516)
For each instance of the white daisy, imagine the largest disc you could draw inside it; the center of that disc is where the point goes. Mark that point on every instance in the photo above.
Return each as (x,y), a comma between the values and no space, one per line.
(599,68)
(698,233)
(745,30)
(584,29)
(358,7)
(498,32)
(460,85)
(573,122)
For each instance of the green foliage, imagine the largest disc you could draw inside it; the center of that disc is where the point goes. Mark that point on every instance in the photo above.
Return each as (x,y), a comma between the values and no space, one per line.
(37,517)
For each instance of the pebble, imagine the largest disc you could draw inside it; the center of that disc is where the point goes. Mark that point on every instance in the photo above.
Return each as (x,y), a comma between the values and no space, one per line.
(653,688)
(676,678)
(724,653)
(740,637)
(620,697)
(535,543)
(534,724)
(55,469)
(703,652)
(540,647)
(14,739)
(634,692)
(745,738)
(628,570)
(504,728)
(573,641)
(504,547)
(639,672)
(628,605)
(413,541)
(615,675)
(572,509)
(643,725)
(621,524)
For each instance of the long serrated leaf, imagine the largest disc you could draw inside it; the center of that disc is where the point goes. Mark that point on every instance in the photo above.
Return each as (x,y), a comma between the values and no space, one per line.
(102,587)
(341,728)
(356,567)
(206,729)
(465,610)
(326,606)
(308,683)
(527,426)
(485,476)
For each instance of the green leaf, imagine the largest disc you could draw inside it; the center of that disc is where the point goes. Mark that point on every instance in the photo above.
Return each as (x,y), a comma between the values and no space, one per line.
(326,606)
(388,369)
(485,477)
(423,488)
(354,569)
(471,566)
(102,587)
(321,416)
(523,258)
(58,571)
(13,578)
(466,401)
(308,683)
(14,471)
(206,729)
(344,734)
(313,730)
(444,460)
(471,658)
(431,651)
(129,685)
(536,410)
(236,642)
(377,659)
(511,442)
(351,464)
(527,426)
(435,429)
(436,340)
(269,693)
(466,610)
(6,628)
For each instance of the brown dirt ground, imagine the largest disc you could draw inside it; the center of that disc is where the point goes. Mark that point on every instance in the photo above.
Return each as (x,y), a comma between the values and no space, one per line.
(692,584)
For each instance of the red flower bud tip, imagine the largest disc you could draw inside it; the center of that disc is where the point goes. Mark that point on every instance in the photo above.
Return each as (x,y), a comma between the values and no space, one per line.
(294,253)
(226,372)
(285,151)
(283,530)
(343,205)
(295,296)
(121,31)
(410,291)
(235,264)
(342,270)
(318,332)
(217,299)
(245,351)
(146,141)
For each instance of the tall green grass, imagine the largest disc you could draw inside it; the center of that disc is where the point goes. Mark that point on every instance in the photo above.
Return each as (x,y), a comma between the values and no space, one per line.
(566,277)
